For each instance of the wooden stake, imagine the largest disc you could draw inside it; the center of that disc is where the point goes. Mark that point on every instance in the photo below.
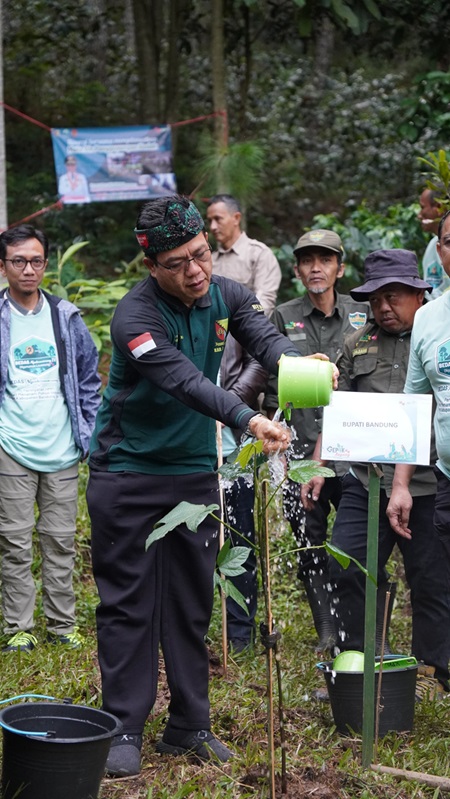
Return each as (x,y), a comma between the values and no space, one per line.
(223,599)
(443,783)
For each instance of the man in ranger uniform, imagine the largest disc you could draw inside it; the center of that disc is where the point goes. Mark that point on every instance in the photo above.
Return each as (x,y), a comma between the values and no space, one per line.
(375,360)
(318,321)
(154,446)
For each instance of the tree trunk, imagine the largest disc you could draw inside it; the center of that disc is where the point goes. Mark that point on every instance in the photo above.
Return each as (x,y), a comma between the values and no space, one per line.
(245,80)
(323,48)
(148,31)
(218,71)
(3,206)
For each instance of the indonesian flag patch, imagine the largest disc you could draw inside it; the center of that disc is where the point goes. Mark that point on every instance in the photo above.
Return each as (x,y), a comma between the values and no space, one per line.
(142,344)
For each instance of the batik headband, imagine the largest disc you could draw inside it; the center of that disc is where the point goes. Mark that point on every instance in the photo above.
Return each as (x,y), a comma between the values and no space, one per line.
(182,222)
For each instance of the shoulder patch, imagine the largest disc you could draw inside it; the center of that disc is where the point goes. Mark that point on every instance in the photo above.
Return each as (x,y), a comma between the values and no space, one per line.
(141,344)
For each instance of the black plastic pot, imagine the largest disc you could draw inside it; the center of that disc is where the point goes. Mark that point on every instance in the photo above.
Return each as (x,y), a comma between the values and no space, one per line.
(345,689)
(67,763)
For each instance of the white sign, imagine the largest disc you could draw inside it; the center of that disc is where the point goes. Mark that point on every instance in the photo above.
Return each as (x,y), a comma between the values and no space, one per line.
(377,428)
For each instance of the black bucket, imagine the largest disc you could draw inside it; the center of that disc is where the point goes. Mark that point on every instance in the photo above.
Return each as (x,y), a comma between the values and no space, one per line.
(397,701)
(67,763)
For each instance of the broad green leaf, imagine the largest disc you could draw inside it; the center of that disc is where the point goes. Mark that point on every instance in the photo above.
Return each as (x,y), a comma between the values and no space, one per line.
(229,589)
(344,560)
(373,9)
(185,513)
(231,471)
(59,291)
(248,452)
(71,251)
(303,471)
(231,562)
(96,339)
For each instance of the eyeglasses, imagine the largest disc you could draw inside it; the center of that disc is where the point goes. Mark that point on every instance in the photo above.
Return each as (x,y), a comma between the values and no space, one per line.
(38,264)
(176,266)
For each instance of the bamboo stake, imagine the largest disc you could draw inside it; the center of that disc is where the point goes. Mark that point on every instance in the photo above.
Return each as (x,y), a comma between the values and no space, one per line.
(443,783)
(380,673)
(223,599)
(269,622)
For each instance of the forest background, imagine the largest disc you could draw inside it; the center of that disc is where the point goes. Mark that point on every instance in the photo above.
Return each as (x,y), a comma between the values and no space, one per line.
(329,105)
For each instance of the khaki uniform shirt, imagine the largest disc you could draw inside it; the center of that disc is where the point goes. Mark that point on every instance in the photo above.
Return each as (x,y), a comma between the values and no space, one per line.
(311,331)
(376,361)
(253,264)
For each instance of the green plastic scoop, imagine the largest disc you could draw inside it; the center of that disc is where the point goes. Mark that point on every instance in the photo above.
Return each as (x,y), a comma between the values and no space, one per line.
(396,663)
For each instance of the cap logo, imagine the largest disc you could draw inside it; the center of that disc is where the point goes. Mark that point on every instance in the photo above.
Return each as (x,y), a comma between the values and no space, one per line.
(316,235)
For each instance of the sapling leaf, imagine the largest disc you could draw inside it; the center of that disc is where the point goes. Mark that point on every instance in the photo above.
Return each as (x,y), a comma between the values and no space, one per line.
(248,452)
(185,513)
(230,560)
(303,471)
(231,471)
(344,560)
(229,589)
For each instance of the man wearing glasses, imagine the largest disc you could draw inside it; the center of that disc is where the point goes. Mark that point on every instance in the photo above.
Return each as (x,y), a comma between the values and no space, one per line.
(49,395)
(154,446)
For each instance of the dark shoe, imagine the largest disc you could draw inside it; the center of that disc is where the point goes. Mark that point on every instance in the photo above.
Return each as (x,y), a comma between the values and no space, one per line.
(201,743)
(72,640)
(238,645)
(124,759)
(21,641)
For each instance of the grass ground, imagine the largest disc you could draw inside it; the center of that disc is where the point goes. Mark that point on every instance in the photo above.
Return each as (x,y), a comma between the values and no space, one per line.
(321,764)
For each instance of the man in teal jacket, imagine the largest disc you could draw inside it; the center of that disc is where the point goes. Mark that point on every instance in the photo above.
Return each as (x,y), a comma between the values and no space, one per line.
(153,447)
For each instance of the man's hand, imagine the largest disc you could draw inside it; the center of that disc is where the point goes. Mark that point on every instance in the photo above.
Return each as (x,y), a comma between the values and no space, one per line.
(275,437)
(398,511)
(322,357)
(310,492)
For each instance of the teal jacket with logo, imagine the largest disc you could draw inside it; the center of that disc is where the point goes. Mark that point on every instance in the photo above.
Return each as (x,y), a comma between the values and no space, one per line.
(159,408)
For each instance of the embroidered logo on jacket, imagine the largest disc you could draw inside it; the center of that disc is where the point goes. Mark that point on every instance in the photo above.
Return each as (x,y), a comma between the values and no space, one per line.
(141,344)
(221,327)
(357,319)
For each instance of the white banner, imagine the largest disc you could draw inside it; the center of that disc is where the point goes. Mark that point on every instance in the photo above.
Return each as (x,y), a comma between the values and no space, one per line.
(377,428)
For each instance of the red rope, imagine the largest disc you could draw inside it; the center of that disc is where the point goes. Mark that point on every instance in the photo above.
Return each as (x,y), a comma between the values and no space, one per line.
(58,205)
(25,116)
(197,119)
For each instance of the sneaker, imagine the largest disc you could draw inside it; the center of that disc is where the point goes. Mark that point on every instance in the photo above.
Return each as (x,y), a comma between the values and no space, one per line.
(201,743)
(428,686)
(124,759)
(21,642)
(72,640)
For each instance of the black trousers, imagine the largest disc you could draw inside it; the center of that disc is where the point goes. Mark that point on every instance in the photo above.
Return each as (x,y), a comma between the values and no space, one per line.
(425,570)
(310,527)
(160,596)
(239,509)
(442,514)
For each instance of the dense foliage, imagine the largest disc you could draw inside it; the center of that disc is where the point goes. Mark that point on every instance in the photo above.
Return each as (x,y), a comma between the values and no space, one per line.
(340,98)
